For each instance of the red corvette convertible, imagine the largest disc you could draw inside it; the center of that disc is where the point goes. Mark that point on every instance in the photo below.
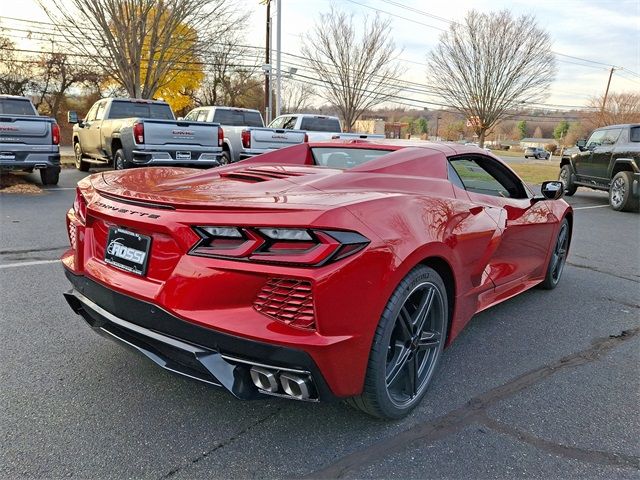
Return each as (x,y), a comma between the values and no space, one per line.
(320,271)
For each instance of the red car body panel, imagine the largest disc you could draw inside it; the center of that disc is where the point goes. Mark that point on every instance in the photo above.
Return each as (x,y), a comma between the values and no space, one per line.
(403,202)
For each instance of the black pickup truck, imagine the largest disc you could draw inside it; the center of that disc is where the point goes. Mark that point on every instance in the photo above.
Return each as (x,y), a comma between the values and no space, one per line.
(608,161)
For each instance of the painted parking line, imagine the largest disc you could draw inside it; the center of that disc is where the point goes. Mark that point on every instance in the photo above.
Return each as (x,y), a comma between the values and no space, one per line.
(28,264)
(590,206)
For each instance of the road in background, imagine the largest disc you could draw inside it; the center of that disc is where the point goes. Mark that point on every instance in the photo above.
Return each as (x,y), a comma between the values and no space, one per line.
(544,385)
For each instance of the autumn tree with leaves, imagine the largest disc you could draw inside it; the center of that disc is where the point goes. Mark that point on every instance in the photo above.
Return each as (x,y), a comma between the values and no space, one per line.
(149,47)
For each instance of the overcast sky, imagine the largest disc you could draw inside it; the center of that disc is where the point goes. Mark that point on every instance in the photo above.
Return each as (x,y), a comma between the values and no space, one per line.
(604,31)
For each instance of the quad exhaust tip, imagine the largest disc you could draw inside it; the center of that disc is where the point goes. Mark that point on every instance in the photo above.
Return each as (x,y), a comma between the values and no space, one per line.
(264,379)
(293,385)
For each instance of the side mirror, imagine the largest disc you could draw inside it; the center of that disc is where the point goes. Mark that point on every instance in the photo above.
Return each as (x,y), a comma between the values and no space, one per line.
(581,144)
(72,117)
(552,190)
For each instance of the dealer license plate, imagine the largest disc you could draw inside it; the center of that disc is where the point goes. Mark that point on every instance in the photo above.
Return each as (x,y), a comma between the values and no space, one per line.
(127,250)
(183,155)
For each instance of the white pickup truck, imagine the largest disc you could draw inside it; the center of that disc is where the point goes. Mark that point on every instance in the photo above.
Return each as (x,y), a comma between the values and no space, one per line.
(319,128)
(244,132)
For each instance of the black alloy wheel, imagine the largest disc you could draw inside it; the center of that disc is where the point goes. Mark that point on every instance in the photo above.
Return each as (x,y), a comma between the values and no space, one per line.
(558,257)
(407,346)
(566,177)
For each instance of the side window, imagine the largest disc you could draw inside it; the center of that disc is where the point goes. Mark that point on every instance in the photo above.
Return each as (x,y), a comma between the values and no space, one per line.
(453,176)
(277,123)
(91,116)
(289,123)
(191,116)
(611,136)
(202,116)
(486,176)
(595,140)
(100,110)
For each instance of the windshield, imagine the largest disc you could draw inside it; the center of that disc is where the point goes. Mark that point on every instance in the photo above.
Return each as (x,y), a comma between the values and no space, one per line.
(320,124)
(16,106)
(238,118)
(341,157)
(158,111)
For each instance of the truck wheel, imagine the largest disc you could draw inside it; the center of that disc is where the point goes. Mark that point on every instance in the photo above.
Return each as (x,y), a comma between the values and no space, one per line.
(406,347)
(566,177)
(621,196)
(225,159)
(119,160)
(81,165)
(49,176)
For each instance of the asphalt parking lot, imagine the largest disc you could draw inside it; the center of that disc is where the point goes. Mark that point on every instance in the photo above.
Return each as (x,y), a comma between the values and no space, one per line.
(546,385)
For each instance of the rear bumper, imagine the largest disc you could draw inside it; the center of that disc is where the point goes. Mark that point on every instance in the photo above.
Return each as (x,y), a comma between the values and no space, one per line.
(190,350)
(171,157)
(22,160)
(249,153)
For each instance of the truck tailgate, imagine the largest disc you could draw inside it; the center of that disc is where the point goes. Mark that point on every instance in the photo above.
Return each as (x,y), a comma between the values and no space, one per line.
(271,138)
(173,132)
(25,130)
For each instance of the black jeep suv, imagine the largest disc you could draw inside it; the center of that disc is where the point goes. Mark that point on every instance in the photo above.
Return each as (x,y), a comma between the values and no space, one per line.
(608,161)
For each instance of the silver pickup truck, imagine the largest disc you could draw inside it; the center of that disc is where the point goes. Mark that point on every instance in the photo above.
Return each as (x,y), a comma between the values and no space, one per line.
(319,128)
(130,132)
(27,140)
(244,132)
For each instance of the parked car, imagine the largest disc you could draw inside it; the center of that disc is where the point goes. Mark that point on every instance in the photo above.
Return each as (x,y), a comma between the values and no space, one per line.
(244,132)
(535,152)
(608,161)
(319,271)
(127,132)
(319,128)
(28,141)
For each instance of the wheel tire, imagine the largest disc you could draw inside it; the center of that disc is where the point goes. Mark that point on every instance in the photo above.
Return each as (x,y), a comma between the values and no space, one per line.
(558,257)
(119,160)
(225,159)
(621,197)
(49,176)
(397,350)
(566,177)
(81,164)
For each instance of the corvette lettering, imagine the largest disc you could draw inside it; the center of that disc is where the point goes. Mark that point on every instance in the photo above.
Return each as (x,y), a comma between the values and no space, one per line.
(125,210)
(116,249)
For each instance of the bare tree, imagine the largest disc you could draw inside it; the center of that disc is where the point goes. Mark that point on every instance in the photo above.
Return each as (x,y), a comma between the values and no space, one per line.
(55,74)
(359,72)
(16,74)
(620,108)
(141,43)
(490,65)
(296,96)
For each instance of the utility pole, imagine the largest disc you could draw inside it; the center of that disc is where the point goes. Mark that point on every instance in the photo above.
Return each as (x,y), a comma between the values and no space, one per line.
(267,73)
(606,93)
(278,58)
(437,119)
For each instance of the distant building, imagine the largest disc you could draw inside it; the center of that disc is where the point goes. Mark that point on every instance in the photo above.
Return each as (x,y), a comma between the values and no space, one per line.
(374,126)
(537,142)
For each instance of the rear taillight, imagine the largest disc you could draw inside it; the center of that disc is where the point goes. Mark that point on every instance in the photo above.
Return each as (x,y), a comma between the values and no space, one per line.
(278,245)
(306,138)
(80,206)
(220,136)
(138,132)
(246,138)
(55,134)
